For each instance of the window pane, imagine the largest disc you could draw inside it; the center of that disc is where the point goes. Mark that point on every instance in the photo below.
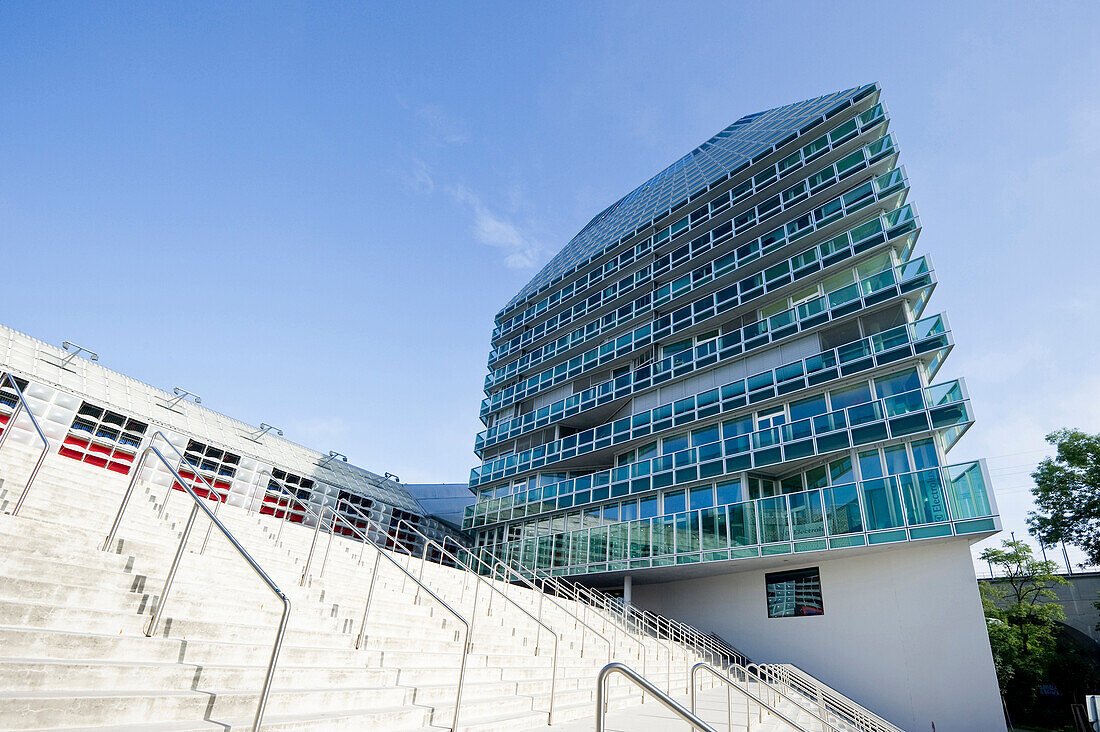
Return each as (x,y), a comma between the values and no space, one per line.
(674,502)
(870,465)
(842,510)
(924,455)
(702,497)
(794,594)
(729,492)
(881,503)
(840,471)
(897,460)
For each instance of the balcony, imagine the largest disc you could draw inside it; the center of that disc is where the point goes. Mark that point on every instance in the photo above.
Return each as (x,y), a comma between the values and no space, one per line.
(940,407)
(933,503)
(915,279)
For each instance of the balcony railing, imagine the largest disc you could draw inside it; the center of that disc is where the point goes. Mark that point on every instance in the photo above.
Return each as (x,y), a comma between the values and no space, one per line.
(877,190)
(915,275)
(929,335)
(821,145)
(861,158)
(933,408)
(923,504)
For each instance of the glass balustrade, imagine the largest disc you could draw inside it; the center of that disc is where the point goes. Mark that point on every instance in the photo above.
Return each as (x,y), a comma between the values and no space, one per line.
(838,430)
(810,314)
(930,503)
(857,199)
(873,153)
(846,360)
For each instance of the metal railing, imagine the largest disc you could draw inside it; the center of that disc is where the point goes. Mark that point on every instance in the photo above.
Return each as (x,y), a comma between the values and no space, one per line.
(828,699)
(613,611)
(22,406)
(493,588)
(379,554)
(639,680)
(544,595)
(753,673)
(154,621)
(749,699)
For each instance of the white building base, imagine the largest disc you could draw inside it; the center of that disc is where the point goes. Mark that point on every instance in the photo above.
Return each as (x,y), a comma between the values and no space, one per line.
(902,633)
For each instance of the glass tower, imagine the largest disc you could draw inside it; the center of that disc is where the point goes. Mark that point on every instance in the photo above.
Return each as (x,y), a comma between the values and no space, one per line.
(735,360)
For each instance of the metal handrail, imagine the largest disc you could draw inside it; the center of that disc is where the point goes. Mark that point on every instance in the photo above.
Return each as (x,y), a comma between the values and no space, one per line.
(432,542)
(671,704)
(200,503)
(21,405)
(219,499)
(856,712)
(285,492)
(753,670)
(543,594)
(749,697)
(379,553)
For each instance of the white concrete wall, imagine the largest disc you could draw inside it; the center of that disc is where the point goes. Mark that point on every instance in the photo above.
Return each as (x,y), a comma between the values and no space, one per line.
(903,631)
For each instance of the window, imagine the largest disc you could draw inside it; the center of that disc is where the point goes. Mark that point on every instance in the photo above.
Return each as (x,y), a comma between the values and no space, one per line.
(103,438)
(674,502)
(794,594)
(674,444)
(729,492)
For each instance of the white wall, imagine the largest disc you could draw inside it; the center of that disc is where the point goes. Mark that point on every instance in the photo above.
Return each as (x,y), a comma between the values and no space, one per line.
(903,631)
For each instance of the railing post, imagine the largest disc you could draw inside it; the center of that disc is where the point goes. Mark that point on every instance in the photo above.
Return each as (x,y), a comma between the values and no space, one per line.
(21,405)
(151,629)
(125,498)
(370,594)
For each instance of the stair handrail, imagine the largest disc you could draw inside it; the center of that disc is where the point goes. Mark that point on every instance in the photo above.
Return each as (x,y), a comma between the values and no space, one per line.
(749,696)
(380,553)
(641,681)
(432,542)
(542,594)
(286,492)
(218,500)
(754,674)
(565,591)
(22,406)
(858,713)
(154,621)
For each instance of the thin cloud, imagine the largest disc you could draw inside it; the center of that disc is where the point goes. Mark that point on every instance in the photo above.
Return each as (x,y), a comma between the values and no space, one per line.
(519,249)
(446,128)
(418,176)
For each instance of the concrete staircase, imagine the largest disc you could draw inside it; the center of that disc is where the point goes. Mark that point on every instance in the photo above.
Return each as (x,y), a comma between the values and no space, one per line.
(73,654)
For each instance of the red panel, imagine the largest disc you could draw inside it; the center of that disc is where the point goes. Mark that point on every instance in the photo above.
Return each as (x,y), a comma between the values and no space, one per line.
(70,453)
(221,484)
(100,449)
(70,440)
(188,476)
(95,460)
(120,455)
(119,468)
(4,418)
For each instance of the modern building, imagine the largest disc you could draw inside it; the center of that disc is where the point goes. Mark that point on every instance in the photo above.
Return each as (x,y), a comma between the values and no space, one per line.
(721,396)
(105,419)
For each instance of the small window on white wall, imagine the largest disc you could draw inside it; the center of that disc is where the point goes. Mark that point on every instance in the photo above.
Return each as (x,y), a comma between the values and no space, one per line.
(794,594)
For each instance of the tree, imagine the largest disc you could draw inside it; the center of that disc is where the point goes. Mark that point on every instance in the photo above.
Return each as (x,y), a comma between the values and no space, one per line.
(1023,626)
(1067,493)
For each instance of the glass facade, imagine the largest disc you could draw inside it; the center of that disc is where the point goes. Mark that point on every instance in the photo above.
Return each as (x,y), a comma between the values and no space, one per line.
(732,361)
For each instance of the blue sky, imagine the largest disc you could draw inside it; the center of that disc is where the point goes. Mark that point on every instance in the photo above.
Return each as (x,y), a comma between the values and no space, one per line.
(309,213)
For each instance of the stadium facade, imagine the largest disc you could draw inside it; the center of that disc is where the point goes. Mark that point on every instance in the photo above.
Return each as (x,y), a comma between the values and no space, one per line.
(105,419)
(722,396)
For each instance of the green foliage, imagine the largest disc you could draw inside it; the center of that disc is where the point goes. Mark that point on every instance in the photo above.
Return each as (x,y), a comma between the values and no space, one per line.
(1023,626)
(1067,493)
